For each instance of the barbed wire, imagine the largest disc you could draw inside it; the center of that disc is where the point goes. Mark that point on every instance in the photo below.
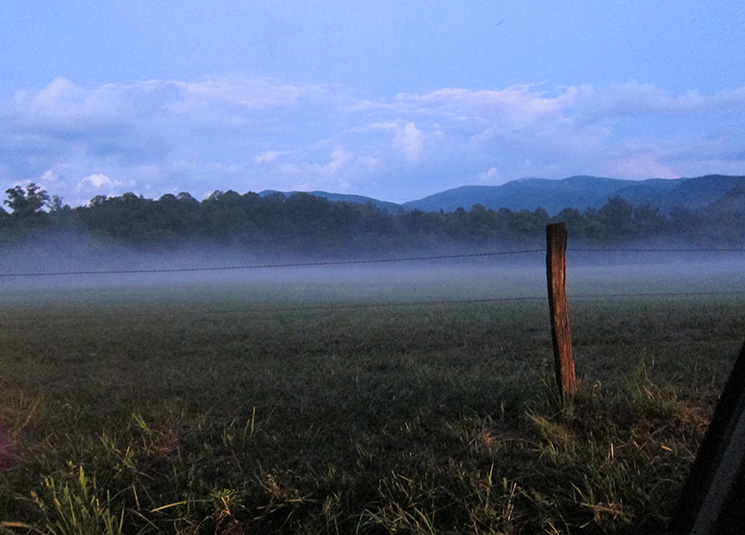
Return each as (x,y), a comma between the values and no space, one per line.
(352,306)
(269,266)
(357,262)
(653,250)
(655,294)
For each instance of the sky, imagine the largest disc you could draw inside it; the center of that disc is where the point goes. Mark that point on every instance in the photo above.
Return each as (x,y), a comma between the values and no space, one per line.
(390,99)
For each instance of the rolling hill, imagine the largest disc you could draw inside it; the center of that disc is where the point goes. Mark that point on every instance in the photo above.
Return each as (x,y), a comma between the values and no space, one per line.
(579,192)
(390,207)
(582,192)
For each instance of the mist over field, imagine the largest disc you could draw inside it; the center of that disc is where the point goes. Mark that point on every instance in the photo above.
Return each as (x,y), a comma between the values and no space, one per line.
(78,269)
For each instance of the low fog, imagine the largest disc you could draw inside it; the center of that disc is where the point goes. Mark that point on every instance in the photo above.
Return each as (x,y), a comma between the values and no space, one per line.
(75,268)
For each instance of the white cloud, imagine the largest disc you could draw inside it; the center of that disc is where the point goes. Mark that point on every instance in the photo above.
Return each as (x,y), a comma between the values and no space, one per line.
(645,166)
(248,134)
(270,156)
(490,177)
(97,180)
(338,171)
(65,110)
(49,176)
(632,100)
(408,141)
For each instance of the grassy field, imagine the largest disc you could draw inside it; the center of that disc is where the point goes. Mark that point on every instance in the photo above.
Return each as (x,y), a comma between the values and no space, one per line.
(330,402)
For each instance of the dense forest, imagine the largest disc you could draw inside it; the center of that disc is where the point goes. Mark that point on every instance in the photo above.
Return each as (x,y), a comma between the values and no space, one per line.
(315,227)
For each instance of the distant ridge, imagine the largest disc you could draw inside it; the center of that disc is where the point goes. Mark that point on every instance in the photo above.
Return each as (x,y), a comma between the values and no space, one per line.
(390,207)
(582,192)
(578,192)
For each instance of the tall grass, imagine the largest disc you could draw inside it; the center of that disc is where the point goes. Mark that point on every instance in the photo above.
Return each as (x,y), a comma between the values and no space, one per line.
(209,415)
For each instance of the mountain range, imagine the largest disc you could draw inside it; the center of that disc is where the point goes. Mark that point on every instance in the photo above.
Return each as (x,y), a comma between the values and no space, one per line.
(578,192)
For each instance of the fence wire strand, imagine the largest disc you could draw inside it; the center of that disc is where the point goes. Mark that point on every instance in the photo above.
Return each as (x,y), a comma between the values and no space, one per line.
(357,262)
(339,306)
(270,266)
(654,250)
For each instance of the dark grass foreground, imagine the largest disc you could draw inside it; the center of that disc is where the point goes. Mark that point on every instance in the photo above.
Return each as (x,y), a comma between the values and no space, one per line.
(196,416)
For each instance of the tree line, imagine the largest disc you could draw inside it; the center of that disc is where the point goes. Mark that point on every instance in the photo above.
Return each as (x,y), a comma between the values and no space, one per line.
(313,226)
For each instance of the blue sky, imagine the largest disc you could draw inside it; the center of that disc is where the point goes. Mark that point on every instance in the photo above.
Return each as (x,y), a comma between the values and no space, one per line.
(392,99)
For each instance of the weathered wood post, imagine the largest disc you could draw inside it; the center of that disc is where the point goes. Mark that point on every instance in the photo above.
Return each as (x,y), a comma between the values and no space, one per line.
(713,499)
(556,265)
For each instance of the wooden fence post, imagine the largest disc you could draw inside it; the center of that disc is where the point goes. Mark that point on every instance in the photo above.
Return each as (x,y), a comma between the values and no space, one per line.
(556,246)
(713,498)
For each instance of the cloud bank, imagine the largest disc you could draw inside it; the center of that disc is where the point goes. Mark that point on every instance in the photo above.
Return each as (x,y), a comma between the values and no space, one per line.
(155,137)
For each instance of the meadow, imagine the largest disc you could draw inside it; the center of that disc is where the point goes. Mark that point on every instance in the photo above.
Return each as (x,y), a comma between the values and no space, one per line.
(367,399)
